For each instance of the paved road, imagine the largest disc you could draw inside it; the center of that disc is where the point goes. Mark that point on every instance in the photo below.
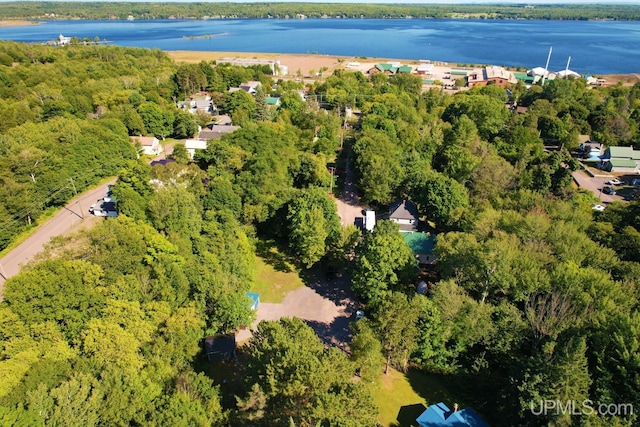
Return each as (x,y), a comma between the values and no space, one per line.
(73,216)
(349,207)
(594,184)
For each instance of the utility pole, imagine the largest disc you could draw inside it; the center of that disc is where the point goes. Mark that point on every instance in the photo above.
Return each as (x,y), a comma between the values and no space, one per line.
(331,185)
(75,192)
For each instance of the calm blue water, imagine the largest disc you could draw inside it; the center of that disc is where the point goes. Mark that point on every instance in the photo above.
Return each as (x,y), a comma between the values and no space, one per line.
(605,47)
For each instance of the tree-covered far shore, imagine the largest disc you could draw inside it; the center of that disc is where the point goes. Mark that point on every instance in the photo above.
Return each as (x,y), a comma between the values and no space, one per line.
(198,10)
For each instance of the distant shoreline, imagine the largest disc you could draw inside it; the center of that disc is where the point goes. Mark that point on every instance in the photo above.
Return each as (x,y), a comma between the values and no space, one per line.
(309,62)
(16,23)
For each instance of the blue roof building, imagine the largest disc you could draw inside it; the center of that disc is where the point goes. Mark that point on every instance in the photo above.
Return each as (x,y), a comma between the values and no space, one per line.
(439,415)
(255,300)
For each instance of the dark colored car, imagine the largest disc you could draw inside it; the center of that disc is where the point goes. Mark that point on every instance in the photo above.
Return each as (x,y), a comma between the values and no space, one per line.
(609,190)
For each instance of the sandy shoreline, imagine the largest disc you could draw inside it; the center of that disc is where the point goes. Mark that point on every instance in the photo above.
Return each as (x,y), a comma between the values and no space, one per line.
(308,64)
(16,23)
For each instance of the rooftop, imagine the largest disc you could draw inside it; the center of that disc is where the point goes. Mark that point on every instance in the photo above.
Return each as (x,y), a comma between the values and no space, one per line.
(403,209)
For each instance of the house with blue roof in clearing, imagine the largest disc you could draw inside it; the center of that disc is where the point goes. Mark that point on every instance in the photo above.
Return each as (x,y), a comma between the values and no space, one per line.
(439,415)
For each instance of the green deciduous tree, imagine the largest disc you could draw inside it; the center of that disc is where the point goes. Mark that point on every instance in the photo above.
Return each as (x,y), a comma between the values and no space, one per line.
(313,224)
(384,262)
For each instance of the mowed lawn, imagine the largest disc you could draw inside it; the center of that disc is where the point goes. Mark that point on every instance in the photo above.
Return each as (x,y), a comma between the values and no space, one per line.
(392,393)
(402,398)
(274,284)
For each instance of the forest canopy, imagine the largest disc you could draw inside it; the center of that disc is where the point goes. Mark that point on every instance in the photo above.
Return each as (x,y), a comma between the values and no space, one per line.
(534,296)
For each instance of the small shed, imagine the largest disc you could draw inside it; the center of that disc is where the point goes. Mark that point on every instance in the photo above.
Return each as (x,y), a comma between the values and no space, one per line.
(254,300)
(220,347)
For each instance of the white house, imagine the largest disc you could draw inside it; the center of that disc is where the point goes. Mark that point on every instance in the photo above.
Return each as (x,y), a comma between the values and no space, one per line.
(150,144)
(405,214)
(194,144)
(62,40)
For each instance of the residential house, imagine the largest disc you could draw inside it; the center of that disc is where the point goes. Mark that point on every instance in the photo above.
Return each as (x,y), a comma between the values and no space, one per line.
(198,102)
(440,415)
(216,131)
(250,86)
(150,144)
(588,150)
(62,40)
(524,78)
(422,245)
(620,160)
(490,75)
(404,69)
(405,214)
(206,134)
(384,68)
(425,69)
(195,144)
(220,347)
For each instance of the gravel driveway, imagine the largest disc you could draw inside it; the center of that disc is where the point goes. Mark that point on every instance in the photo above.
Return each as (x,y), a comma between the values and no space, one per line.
(327,305)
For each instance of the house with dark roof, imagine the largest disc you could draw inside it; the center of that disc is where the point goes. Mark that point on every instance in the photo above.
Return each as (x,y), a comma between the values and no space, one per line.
(439,415)
(405,214)
(216,131)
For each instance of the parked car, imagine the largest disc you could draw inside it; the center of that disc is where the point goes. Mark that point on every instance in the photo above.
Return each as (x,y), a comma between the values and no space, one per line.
(359,314)
(597,207)
(609,190)
(615,181)
(103,207)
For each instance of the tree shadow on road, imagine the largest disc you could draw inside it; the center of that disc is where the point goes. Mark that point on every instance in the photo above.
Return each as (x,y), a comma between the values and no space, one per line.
(332,285)
(337,334)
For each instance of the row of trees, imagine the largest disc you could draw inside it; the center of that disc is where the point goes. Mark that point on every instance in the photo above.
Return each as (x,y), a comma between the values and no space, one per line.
(102,10)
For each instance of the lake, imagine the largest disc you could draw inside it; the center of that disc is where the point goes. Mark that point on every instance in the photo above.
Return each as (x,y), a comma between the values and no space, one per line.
(599,47)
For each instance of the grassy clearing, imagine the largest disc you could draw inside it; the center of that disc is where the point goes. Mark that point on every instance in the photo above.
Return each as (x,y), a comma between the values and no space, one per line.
(394,392)
(276,275)
(401,398)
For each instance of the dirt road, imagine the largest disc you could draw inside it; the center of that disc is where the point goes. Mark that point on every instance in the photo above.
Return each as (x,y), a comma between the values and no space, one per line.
(73,216)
